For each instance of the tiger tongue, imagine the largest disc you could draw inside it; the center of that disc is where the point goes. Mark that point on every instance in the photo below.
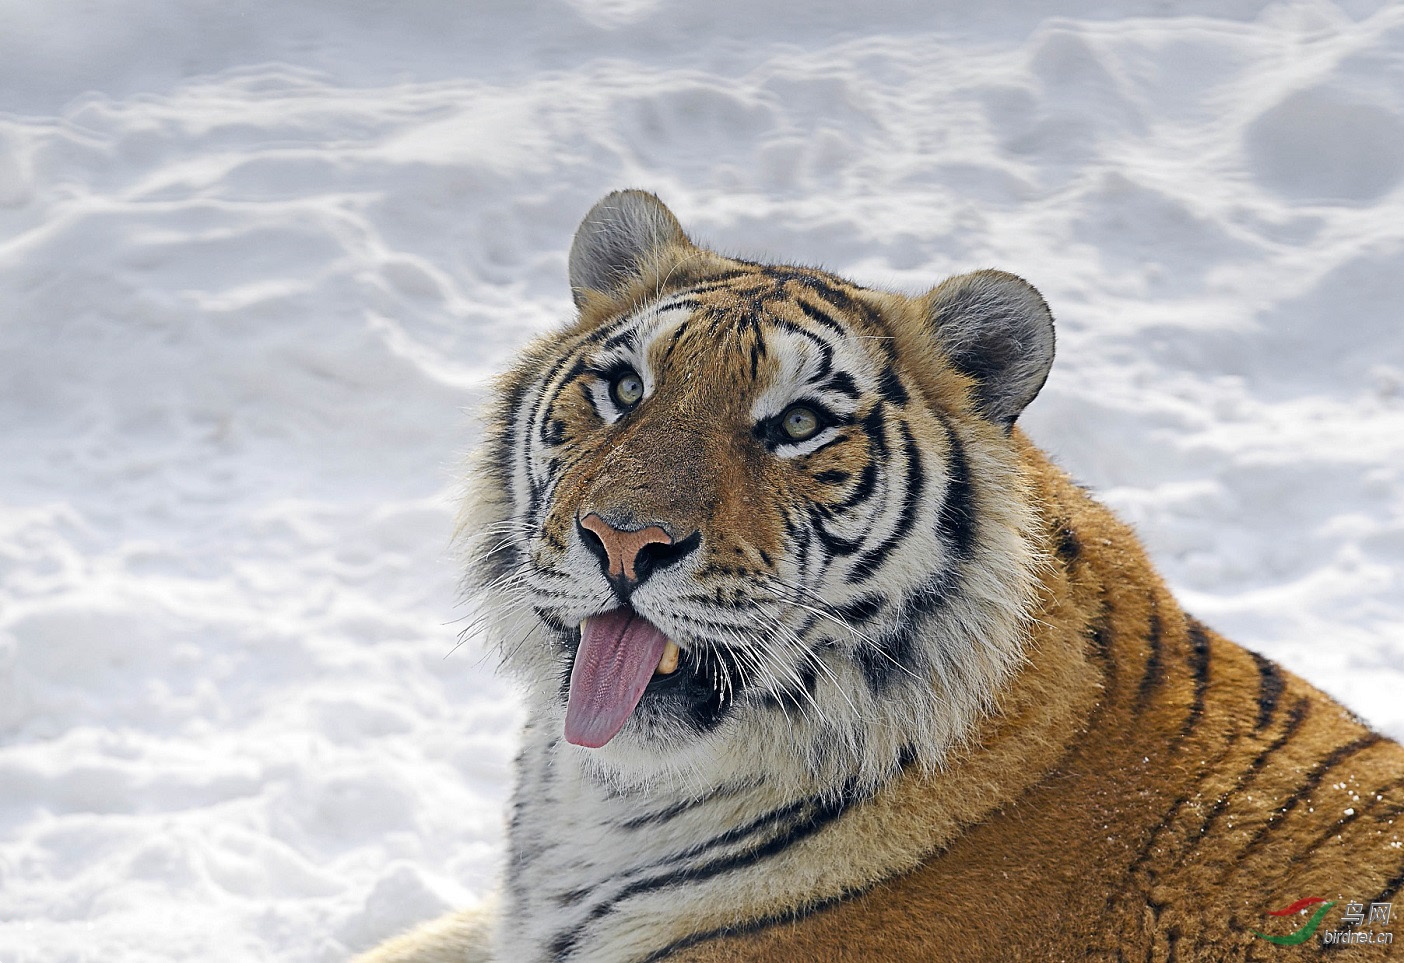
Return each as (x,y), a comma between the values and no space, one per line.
(618,653)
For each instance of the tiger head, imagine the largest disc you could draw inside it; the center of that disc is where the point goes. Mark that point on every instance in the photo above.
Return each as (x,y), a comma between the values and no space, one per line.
(740,518)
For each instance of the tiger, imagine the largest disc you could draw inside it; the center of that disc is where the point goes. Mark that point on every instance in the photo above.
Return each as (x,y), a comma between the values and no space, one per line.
(823,659)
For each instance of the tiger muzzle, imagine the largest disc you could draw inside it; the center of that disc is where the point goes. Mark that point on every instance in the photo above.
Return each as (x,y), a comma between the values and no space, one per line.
(629,556)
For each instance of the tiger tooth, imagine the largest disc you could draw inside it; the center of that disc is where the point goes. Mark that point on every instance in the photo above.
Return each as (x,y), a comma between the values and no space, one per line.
(669,663)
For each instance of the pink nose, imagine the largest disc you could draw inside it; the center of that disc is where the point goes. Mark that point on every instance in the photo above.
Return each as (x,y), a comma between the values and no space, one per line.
(622,548)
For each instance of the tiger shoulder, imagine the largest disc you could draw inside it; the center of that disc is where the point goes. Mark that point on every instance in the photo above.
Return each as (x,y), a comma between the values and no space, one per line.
(824,660)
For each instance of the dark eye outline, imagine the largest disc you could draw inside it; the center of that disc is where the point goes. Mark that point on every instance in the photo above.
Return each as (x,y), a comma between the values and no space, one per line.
(772,430)
(617,378)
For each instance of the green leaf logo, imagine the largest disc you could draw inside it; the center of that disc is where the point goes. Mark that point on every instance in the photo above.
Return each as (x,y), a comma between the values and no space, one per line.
(1308,928)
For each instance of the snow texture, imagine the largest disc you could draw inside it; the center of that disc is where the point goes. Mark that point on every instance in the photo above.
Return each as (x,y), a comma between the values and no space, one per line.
(258,263)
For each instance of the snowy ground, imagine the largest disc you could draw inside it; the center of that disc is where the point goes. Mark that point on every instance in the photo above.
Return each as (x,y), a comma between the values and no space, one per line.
(257,263)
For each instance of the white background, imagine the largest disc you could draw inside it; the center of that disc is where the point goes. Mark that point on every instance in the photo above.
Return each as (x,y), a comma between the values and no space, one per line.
(258,263)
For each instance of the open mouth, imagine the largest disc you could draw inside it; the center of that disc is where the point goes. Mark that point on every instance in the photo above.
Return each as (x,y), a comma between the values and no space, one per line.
(620,653)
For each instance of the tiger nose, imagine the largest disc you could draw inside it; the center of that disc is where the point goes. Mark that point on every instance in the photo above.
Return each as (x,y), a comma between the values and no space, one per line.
(629,557)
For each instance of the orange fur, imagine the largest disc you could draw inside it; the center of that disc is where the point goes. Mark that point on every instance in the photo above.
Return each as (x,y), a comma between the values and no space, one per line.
(1146,815)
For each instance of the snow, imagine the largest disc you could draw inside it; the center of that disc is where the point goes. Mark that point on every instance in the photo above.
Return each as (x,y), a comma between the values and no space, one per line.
(258,264)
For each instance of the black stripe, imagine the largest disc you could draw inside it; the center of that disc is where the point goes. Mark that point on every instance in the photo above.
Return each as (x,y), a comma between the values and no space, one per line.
(721,279)
(535,491)
(816,814)
(1296,716)
(495,564)
(793,695)
(842,383)
(1390,888)
(759,824)
(673,341)
(826,348)
(915,479)
(758,351)
(505,444)
(821,317)
(838,298)
(803,539)
(518,857)
(545,409)
(617,330)
(628,325)
(812,816)
(619,338)
(882,659)
(1270,685)
(554,432)
(1389,815)
(874,425)
(542,409)
(553,621)
(551,381)
(597,336)
(1334,758)
(890,386)
(1100,639)
(861,609)
(1360,809)
(1198,637)
(542,792)
(836,544)
(537,496)
(672,812)
(754,926)
(957,519)
(867,484)
(807,277)
(1069,546)
(1155,666)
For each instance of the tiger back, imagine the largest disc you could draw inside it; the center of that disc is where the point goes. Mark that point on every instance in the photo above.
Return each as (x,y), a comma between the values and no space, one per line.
(823,659)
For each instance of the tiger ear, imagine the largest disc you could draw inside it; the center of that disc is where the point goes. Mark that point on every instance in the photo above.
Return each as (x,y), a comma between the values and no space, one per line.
(996,328)
(625,235)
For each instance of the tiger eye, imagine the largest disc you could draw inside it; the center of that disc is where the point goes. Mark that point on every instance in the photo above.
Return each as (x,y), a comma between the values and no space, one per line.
(627,389)
(799,423)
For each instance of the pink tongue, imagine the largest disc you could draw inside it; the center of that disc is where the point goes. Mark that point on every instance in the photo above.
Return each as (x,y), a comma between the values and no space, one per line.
(618,653)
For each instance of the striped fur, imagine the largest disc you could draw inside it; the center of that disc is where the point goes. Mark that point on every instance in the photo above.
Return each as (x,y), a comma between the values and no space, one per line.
(933,701)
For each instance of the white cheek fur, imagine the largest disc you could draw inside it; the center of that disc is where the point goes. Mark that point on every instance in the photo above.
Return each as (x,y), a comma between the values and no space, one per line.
(605,407)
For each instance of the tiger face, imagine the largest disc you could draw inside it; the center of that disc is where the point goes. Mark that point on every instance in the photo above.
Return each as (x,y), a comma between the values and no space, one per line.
(742,517)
